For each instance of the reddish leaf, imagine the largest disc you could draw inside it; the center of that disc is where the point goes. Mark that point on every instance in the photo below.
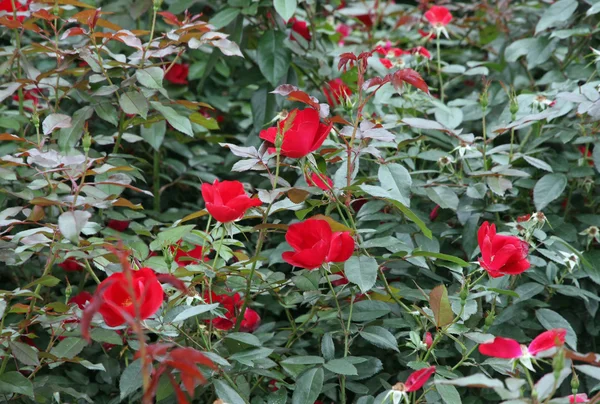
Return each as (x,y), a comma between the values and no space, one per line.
(44,15)
(189,373)
(73,32)
(91,309)
(347,60)
(190,354)
(411,77)
(9,22)
(301,96)
(440,305)
(154,350)
(170,18)
(376,81)
(181,398)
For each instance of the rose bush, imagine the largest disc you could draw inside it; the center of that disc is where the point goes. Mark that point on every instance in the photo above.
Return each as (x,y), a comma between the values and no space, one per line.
(299,201)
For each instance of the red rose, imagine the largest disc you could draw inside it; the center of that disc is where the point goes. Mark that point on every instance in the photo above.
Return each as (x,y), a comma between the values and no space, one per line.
(335,91)
(81,299)
(178,73)
(342,281)
(183,258)
(6,5)
(232,304)
(501,255)
(588,155)
(300,28)
(118,225)
(506,348)
(417,379)
(116,299)
(305,135)
(319,180)
(71,265)
(314,244)
(523,218)
(438,16)
(227,201)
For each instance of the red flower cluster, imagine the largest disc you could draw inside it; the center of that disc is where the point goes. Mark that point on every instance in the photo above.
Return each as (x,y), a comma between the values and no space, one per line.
(232,304)
(178,73)
(117,302)
(227,201)
(314,243)
(305,135)
(336,91)
(501,255)
(507,348)
(579,398)
(29,95)
(300,28)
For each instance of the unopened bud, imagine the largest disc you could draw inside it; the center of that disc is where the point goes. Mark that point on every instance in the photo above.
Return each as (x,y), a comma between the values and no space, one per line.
(35,118)
(483,99)
(68,292)
(464,293)
(489,319)
(157,4)
(86,142)
(513,106)
(428,340)
(574,383)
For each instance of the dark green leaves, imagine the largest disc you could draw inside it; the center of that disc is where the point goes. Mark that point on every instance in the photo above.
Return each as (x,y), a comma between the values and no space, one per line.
(362,271)
(547,189)
(273,56)
(308,386)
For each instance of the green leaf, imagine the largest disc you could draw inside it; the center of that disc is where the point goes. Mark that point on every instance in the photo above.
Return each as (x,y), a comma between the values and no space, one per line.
(209,123)
(224,17)
(443,196)
(596,154)
(537,50)
(448,393)
(150,77)
(194,311)
(308,386)
(174,234)
(441,256)
(304,360)
(440,305)
(46,280)
(226,393)
(244,337)
(547,189)
(380,337)
(327,346)
(105,110)
(154,133)
(133,102)
(71,223)
(476,380)
(69,347)
(273,57)
(24,353)
(68,137)
(15,383)
(341,367)
(55,121)
(556,14)
(108,336)
(179,122)
(285,8)
(362,271)
(367,310)
(131,379)
(410,215)
(550,319)
(395,179)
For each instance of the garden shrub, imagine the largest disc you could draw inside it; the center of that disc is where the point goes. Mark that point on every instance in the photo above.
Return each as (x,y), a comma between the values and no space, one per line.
(255,201)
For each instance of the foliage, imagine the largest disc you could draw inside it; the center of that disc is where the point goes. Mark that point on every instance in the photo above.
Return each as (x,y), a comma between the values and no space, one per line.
(299,201)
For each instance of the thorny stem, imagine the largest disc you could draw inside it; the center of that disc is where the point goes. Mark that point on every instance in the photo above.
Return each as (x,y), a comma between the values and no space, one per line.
(346,335)
(512,141)
(156,180)
(18,43)
(154,12)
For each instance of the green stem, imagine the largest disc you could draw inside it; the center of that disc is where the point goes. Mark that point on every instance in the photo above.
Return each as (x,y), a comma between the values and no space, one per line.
(484,129)
(91,271)
(346,334)
(154,12)
(512,141)
(18,44)
(439,68)
(47,269)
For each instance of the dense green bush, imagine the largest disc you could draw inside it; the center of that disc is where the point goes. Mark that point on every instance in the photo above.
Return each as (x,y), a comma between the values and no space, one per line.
(256,201)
